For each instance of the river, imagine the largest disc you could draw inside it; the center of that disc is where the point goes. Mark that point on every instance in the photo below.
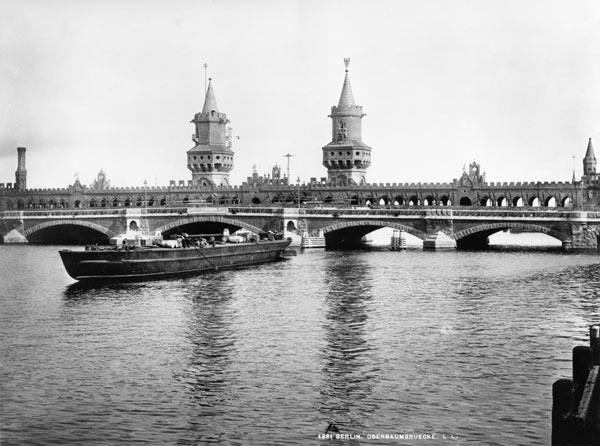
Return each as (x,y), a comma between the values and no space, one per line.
(462,346)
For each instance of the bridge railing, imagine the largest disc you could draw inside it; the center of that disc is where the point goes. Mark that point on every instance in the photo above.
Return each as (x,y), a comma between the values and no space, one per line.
(392,211)
(62,212)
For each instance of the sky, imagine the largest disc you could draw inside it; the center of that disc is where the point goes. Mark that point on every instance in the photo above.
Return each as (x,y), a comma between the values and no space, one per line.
(88,85)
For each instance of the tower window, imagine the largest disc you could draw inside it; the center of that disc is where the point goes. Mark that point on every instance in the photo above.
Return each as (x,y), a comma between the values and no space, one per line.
(332,153)
(217,157)
(348,153)
(357,153)
(341,130)
(340,153)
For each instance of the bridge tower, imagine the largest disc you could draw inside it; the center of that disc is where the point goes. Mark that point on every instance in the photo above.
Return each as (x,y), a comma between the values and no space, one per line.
(211,159)
(346,157)
(589,163)
(21,173)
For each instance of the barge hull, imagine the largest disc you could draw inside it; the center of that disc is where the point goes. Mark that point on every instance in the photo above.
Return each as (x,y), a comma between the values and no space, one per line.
(148,263)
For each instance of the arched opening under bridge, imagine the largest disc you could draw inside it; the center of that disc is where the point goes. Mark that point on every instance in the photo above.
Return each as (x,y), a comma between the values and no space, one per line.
(68,233)
(206,225)
(368,234)
(509,236)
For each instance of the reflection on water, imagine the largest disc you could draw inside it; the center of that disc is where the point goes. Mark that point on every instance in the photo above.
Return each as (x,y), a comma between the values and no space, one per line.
(379,342)
(347,356)
(211,338)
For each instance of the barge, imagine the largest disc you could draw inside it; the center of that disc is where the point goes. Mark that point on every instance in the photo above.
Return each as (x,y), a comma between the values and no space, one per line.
(139,261)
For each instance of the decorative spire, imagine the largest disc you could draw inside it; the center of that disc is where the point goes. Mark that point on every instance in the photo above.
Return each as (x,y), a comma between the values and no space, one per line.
(590,150)
(346,98)
(210,103)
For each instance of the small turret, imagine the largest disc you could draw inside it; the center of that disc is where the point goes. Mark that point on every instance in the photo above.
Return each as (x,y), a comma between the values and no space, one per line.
(589,161)
(276,172)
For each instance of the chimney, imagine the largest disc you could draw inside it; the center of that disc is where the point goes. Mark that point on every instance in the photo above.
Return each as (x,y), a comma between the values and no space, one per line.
(21,173)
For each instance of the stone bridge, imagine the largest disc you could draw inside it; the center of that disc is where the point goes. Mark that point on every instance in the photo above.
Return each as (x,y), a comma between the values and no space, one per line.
(469,228)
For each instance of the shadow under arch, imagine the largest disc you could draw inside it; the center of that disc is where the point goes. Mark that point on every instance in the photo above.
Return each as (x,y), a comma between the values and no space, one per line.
(68,232)
(349,233)
(476,237)
(209,220)
(349,372)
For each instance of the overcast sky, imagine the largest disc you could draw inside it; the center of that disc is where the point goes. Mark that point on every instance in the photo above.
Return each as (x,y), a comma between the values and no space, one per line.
(97,84)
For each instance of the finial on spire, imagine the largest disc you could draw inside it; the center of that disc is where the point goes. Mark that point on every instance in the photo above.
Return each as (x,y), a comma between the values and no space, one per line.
(205,67)
(346,63)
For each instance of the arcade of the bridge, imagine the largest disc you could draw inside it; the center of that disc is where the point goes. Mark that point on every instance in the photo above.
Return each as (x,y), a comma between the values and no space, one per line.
(341,198)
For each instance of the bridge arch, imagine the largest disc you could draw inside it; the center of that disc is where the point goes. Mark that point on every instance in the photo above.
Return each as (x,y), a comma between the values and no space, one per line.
(378,224)
(495,227)
(550,202)
(208,219)
(36,228)
(68,232)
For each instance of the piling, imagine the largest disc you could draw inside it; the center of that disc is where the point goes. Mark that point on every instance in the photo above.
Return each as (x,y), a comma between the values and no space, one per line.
(576,402)
(595,343)
(398,241)
(582,363)
(562,403)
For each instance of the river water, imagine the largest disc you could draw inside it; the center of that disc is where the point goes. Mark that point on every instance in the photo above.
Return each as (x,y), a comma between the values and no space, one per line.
(459,345)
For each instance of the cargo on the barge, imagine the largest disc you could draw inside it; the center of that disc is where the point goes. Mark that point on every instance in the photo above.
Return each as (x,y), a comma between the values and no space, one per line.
(150,262)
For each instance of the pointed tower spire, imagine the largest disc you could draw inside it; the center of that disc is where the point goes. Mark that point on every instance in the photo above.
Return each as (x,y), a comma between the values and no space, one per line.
(589,161)
(210,103)
(590,150)
(346,98)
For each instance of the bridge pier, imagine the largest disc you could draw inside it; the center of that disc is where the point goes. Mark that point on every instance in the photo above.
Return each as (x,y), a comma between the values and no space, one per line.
(12,230)
(582,237)
(439,241)
(14,237)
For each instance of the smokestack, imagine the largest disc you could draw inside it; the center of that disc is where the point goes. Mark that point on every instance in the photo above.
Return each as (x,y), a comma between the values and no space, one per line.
(21,173)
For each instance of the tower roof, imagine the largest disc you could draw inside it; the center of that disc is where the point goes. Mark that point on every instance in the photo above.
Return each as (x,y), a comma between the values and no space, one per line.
(210,103)
(590,150)
(346,98)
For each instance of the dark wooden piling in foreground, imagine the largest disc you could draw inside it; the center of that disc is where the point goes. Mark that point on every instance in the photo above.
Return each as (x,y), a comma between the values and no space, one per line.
(576,402)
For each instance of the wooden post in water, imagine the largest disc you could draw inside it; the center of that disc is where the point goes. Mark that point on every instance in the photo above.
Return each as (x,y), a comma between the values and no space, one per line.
(583,360)
(576,402)
(595,342)
(562,407)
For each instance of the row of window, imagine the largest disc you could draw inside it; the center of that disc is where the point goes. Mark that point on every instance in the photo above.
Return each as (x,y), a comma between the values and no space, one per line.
(348,153)
(201,157)
(292,198)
